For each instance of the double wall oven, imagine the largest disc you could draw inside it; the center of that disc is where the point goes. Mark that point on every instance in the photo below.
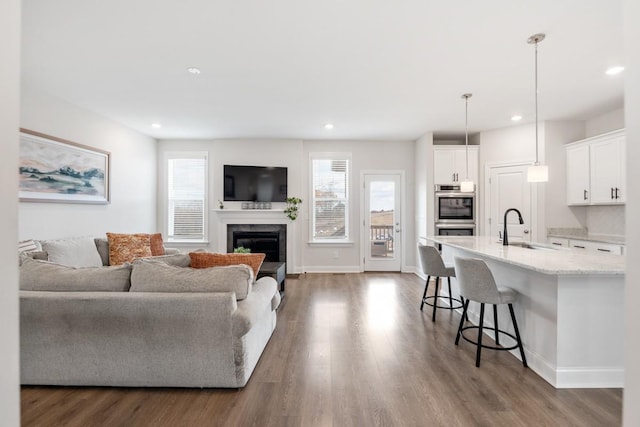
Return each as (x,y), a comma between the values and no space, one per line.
(455,211)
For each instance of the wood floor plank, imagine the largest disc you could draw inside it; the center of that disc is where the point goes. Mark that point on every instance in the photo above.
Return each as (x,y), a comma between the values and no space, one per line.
(349,350)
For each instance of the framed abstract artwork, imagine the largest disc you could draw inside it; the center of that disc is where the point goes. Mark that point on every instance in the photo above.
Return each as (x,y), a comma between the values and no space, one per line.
(56,170)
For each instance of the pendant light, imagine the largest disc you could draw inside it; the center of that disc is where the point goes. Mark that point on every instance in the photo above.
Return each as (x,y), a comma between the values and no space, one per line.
(466,186)
(537,172)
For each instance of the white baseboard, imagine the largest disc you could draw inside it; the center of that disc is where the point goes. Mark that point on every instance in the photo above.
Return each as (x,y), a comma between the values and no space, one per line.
(332,269)
(589,377)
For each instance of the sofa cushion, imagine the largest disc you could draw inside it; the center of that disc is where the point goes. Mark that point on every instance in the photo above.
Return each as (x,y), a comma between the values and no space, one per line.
(75,252)
(36,275)
(150,275)
(208,259)
(128,247)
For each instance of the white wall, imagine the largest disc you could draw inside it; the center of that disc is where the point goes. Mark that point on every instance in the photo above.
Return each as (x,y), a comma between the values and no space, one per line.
(516,144)
(366,155)
(294,154)
(631,417)
(613,120)
(9,121)
(285,153)
(133,173)
(557,213)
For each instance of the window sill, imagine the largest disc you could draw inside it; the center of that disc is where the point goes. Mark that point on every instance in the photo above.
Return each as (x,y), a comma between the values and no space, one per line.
(322,243)
(186,242)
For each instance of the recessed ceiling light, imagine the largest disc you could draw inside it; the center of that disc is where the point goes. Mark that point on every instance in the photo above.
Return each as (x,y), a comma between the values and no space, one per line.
(156,125)
(194,70)
(516,118)
(614,70)
(328,126)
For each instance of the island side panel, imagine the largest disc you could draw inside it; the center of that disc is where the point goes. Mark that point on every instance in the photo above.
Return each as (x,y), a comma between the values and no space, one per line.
(535,310)
(590,332)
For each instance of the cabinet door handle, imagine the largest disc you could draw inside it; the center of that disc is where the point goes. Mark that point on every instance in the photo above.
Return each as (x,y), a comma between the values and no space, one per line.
(604,250)
(612,193)
(585,194)
(578,246)
(556,243)
(453,177)
(617,190)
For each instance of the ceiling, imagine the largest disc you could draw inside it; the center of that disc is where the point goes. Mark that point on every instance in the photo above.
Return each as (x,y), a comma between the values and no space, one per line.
(284,68)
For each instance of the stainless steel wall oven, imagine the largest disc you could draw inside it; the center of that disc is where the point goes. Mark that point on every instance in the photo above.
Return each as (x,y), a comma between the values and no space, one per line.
(453,206)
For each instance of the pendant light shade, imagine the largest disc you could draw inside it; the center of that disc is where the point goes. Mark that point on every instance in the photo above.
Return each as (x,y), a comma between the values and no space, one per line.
(537,172)
(466,186)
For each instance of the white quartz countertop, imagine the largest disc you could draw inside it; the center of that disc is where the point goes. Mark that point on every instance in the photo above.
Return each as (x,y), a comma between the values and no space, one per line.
(545,259)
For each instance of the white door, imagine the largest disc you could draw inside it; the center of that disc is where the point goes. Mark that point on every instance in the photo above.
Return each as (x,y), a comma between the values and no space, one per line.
(382,227)
(508,188)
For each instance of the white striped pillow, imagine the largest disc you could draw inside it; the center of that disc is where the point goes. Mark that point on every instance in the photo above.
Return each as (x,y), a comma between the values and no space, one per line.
(29,246)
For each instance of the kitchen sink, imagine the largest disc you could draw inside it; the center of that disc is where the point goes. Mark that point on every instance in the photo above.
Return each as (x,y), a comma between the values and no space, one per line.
(529,245)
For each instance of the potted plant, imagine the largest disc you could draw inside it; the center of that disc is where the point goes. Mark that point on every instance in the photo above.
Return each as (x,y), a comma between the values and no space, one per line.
(292,207)
(242,250)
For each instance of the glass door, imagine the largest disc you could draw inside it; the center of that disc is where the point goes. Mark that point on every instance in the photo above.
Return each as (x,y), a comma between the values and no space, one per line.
(382,227)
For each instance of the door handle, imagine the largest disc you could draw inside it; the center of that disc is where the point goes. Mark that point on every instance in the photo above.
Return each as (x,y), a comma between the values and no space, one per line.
(525,231)
(585,195)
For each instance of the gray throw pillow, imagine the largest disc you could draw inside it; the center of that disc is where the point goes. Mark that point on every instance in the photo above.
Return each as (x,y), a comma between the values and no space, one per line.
(38,275)
(77,252)
(149,275)
(102,245)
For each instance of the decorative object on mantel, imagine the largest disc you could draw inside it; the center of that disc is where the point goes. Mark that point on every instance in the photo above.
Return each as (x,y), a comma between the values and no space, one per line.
(466,186)
(537,172)
(256,205)
(241,250)
(220,204)
(57,170)
(292,207)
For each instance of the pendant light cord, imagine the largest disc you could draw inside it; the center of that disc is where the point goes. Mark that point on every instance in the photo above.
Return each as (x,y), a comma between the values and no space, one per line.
(466,133)
(536,98)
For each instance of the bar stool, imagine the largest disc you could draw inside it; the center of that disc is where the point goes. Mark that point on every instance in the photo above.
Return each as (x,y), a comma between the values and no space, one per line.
(433,266)
(478,284)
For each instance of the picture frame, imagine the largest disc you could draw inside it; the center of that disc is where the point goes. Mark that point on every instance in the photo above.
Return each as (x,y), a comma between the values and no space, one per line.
(55,170)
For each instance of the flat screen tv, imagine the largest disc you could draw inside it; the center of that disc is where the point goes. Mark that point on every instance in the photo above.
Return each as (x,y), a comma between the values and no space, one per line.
(255,183)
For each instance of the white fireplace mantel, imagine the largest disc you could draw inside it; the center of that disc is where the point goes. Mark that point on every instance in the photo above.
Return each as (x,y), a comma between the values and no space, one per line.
(258,216)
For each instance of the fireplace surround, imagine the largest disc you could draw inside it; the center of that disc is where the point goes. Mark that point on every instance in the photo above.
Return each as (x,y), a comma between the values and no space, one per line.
(270,239)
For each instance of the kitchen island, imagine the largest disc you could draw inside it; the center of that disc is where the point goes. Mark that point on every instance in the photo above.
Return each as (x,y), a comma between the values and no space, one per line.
(570,310)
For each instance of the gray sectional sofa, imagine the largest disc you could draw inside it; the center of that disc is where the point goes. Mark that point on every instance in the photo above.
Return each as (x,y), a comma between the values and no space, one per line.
(150,324)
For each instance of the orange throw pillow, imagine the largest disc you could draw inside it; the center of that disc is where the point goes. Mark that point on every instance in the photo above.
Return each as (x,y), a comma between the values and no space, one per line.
(157,245)
(128,247)
(208,259)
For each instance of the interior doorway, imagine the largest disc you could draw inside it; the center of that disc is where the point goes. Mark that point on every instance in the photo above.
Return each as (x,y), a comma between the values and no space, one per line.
(508,188)
(382,222)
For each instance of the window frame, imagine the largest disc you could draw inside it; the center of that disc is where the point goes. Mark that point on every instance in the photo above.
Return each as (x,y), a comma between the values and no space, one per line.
(175,155)
(313,240)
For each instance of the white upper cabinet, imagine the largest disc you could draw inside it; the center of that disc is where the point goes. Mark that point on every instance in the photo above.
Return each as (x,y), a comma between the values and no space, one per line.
(578,188)
(596,170)
(450,164)
(608,171)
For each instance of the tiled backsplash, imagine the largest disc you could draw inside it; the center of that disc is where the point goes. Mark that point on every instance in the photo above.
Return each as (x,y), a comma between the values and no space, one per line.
(608,220)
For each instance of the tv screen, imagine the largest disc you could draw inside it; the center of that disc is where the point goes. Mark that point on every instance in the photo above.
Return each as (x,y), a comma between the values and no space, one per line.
(255,184)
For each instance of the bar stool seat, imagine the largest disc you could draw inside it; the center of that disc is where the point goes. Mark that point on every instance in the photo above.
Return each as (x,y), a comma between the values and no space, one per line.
(433,266)
(478,284)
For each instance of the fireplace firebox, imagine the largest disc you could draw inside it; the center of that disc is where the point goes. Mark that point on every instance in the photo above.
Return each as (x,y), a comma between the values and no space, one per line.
(270,239)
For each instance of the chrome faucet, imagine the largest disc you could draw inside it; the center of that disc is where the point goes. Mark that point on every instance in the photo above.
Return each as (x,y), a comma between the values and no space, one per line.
(505,239)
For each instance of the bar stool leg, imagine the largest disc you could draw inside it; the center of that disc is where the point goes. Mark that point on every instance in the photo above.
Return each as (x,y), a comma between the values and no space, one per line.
(464,315)
(435,300)
(450,296)
(515,327)
(495,323)
(479,349)
(426,287)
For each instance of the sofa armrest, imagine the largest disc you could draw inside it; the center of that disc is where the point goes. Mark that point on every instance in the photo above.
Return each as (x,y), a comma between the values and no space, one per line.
(171,251)
(254,306)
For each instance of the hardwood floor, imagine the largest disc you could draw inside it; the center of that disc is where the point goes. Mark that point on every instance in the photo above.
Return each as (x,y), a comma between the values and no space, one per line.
(349,350)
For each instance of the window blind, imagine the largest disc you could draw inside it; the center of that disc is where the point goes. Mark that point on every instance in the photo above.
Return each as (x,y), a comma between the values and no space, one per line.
(186,198)
(330,199)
